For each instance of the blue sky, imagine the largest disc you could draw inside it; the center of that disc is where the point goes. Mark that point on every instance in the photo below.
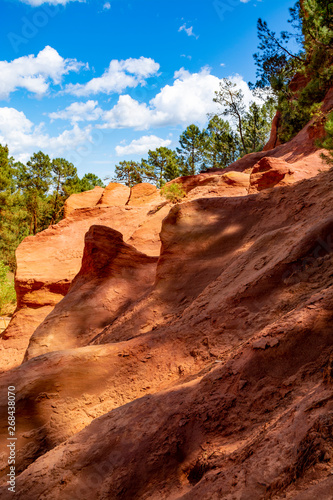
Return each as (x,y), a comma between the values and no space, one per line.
(98,82)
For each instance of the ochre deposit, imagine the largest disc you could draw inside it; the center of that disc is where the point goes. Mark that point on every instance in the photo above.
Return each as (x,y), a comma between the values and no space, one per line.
(181,351)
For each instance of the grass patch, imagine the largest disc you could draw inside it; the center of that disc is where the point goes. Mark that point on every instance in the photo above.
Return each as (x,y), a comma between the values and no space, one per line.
(7,290)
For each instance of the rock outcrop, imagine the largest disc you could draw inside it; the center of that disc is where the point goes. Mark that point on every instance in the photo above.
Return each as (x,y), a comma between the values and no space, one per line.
(114,194)
(232,342)
(180,351)
(270,172)
(112,277)
(86,199)
(48,262)
(273,141)
(144,194)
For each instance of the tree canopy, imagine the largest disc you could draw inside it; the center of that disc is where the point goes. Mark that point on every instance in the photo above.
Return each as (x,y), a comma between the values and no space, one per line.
(299,78)
(32,196)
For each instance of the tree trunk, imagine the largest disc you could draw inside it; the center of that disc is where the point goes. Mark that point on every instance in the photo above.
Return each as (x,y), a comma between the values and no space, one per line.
(35,221)
(55,206)
(241,132)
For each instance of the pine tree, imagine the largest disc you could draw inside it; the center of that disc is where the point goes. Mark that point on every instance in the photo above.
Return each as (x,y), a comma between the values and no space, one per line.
(162,165)
(257,125)
(276,64)
(62,172)
(34,180)
(76,185)
(13,215)
(232,101)
(129,172)
(327,142)
(6,169)
(312,23)
(222,144)
(191,151)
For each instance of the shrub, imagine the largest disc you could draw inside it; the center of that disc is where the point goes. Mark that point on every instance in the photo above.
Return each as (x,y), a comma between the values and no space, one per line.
(7,291)
(327,141)
(173,192)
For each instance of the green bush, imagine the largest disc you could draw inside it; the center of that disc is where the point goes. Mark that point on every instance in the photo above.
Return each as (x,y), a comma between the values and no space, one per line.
(327,141)
(173,192)
(297,111)
(7,291)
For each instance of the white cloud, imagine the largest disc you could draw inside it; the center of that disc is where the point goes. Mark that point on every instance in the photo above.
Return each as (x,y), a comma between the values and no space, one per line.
(107,6)
(34,73)
(143,145)
(187,101)
(24,138)
(120,75)
(188,31)
(79,111)
(37,3)
(129,113)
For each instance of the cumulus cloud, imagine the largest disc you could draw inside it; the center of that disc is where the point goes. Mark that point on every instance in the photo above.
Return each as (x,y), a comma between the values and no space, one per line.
(188,31)
(188,100)
(78,111)
(23,137)
(35,73)
(142,146)
(129,113)
(107,6)
(120,75)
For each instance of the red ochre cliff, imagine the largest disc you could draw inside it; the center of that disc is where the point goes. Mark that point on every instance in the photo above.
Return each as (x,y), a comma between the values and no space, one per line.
(181,351)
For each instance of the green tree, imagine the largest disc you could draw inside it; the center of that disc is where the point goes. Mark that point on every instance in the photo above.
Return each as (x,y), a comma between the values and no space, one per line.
(32,196)
(276,64)
(232,101)
(173,192)
(300,80)
(89,181)
(327,142)
(14,226)
(222,144)
(76,185)
(257,126)
(13,215)
(62,172)
(6,169)
(34,180)
(317,24)
(129,172)
(7,291)
(191,151)
(162,165)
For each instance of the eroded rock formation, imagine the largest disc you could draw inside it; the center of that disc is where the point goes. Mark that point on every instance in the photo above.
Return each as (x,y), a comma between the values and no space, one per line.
(191,353)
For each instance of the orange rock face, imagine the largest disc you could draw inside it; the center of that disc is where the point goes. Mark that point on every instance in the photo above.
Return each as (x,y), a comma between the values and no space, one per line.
(83,200)
(273,141)
(144,194)
(48,262)
(218,357)
(112,276)
(270,172)
(191,353)
(222,183)
(115,194)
